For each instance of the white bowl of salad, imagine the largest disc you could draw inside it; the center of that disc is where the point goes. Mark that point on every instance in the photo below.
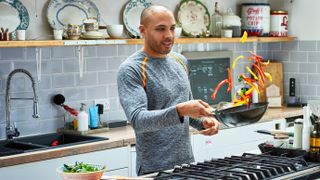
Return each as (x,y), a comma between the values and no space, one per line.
(81,171)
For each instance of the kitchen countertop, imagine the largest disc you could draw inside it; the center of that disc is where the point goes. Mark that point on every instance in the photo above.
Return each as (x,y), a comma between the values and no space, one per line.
(118,137)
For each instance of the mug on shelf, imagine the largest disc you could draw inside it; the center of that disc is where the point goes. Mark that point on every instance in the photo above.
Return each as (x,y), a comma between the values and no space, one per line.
(57,34)
(21,34)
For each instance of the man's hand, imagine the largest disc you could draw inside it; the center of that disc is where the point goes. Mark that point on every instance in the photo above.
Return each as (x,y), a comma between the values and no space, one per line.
(194,108)
(211,126)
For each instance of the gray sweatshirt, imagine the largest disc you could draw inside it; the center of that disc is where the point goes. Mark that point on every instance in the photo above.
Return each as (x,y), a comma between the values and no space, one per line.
(162,138)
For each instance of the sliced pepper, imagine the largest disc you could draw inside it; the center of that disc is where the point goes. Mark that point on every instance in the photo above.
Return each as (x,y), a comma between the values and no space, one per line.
(260,71)
(244,37)
(268,76)
(236,60)
(252,73)
(213,96)
(229,80)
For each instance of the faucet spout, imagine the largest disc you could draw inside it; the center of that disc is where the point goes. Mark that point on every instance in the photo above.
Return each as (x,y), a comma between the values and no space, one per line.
(11,130)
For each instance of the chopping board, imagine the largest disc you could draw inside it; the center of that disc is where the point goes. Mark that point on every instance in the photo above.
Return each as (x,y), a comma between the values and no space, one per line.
(275,68)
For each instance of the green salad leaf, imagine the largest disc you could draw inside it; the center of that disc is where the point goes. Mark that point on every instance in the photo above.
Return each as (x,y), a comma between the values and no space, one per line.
(80,167)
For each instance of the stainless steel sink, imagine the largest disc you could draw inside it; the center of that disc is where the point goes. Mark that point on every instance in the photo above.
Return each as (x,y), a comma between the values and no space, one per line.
(45,141)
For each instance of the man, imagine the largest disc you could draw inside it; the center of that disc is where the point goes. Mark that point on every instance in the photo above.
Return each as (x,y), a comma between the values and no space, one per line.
(155,94)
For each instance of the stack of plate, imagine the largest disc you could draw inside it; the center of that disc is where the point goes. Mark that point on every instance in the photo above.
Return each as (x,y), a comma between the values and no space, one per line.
(93,35)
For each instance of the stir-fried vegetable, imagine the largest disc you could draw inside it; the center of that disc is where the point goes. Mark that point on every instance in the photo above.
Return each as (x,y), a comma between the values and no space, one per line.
(256,83)
(244,37)
(228,80)
(81,167)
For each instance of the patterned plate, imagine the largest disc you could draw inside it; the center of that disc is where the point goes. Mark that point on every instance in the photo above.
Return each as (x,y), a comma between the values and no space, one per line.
(193,17)
(13,15)
(131,15)
(60,13)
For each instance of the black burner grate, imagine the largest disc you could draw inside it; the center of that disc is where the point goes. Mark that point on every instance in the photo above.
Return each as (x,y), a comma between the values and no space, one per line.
(245,167)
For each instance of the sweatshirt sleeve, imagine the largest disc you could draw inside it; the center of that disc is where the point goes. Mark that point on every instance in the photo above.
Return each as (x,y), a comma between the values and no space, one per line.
(133,99)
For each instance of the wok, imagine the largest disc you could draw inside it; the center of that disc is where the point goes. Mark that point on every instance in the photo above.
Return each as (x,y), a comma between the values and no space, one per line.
(241,115)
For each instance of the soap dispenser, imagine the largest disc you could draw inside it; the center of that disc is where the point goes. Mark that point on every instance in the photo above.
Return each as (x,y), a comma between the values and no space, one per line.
(83,119)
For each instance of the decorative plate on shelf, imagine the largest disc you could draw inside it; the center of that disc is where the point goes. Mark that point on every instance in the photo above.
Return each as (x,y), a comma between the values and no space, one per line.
(60,13)
(13,15)
(131,15)
(193,17)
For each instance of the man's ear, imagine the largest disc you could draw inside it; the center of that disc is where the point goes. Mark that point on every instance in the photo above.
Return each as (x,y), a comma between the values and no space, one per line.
(142,30)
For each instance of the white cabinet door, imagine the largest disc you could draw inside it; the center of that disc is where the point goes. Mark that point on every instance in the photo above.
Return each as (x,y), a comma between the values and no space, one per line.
(133,156)
(114,159)
(233,141)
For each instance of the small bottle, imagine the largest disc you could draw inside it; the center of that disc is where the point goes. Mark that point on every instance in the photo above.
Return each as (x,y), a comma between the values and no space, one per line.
(216,21)
(297,135)
(315,138)
(83,119)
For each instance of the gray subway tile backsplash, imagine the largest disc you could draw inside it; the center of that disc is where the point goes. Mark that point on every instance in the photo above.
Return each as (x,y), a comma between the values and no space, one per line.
(96,64)
(63,80)
(71,65)
(63,52)
(126,50)
(314,57)
(289,46)
(307,45)
(88,79)
(274,46)
(307,68)
(13,54)
(60,75)
(106,51)
(281,56)
(291,67)
(299,57)
(97,92)
(313,79)
(75,94)
(108,77)
(45,53)
(6,67)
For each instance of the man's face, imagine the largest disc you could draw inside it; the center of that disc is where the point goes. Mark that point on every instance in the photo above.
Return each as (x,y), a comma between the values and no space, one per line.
(159,33)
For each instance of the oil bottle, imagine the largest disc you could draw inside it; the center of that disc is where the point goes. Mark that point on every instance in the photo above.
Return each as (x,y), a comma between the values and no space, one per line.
(315,138)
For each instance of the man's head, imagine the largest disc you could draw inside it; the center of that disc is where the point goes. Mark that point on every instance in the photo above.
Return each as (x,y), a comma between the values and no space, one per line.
(157,26)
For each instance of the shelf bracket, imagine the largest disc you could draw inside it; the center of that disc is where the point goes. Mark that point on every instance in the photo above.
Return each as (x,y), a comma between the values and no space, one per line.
(39,62)
(81,60)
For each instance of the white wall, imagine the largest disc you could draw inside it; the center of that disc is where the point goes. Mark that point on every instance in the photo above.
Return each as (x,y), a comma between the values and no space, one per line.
(304,19)
(303,15)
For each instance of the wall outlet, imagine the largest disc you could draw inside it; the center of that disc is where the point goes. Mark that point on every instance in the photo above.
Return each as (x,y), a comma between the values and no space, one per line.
(105,102)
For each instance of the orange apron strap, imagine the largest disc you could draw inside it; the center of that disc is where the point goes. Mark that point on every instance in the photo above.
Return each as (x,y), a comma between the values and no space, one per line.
(144,75)
(181,62)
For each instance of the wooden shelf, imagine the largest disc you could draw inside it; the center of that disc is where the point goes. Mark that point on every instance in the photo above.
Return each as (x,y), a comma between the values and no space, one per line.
(51,43)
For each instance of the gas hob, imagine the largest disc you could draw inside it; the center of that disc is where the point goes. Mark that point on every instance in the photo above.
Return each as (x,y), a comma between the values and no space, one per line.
(245,167)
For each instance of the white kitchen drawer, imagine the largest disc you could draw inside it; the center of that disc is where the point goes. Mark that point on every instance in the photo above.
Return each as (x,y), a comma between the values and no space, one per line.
(114,159)
(231,141)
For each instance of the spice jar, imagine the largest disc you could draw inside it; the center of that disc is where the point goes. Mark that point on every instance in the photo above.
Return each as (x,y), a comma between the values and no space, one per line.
(279,23)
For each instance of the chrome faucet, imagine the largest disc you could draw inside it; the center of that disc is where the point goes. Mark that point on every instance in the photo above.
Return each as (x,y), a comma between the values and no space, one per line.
(11,130)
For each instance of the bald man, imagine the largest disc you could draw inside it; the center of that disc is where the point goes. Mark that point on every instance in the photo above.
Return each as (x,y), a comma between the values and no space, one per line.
(155,93)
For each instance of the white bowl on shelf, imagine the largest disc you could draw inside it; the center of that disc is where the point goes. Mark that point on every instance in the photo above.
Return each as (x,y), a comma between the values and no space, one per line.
(115,30)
